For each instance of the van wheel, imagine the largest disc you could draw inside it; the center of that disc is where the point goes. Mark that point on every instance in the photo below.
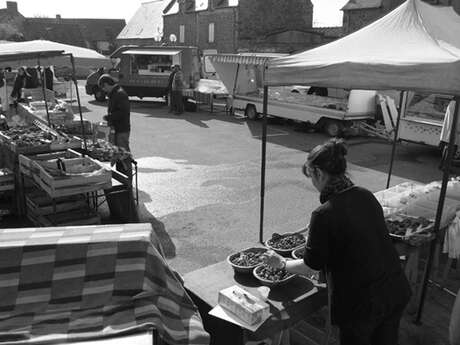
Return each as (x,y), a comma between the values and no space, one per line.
(333,128)
(251,112)
(99,95)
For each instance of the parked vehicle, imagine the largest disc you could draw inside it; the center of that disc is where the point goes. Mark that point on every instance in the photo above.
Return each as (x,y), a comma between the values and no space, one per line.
(144,71)
(331,110)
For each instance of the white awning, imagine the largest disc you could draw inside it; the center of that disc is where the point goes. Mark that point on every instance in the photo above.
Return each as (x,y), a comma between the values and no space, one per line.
(249,59)
(151,52)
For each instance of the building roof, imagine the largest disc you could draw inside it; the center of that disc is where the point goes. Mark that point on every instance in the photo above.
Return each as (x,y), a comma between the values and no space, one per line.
(361,4)
(91,29)
(330,31)
(147,22)
(58,32)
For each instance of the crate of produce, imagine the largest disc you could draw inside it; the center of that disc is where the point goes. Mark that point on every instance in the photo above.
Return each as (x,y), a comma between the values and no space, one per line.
(28,168)
(33,140)
(61,177)
(40,204)
(411,230)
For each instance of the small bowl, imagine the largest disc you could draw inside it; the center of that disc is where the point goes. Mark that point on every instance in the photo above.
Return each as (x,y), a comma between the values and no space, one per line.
(245,269)
(285,251)
(298,253)
(267,282)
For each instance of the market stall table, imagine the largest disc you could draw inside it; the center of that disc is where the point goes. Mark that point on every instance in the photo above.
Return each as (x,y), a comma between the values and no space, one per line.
(80,283)
(289,303)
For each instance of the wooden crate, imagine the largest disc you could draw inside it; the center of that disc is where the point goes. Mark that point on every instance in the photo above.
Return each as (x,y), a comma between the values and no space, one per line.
(27,167)
(57,186)
(70,218)
(40,204)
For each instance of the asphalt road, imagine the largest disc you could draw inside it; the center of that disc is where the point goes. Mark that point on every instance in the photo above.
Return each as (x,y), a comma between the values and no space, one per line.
(199,177)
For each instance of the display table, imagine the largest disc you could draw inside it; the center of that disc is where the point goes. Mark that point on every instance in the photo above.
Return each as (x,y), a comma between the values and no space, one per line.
(80,283)
(288,304)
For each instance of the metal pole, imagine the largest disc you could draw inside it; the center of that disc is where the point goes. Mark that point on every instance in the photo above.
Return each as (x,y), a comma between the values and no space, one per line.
(402,110)
(446,171)
(42,75)
(74,79)
(262,176)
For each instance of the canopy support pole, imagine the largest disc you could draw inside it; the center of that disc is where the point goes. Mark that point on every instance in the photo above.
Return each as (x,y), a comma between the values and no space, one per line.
(42,76)
(402,110)
(446,165)
(74,79)
(262,175)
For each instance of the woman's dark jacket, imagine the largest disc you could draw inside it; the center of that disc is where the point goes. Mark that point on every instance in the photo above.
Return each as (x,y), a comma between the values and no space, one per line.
(348,237)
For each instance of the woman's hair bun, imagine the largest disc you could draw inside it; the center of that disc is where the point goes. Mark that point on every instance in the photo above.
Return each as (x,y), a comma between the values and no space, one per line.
(339,146)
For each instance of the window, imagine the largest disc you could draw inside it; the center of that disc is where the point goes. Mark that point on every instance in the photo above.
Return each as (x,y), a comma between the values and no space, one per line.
(211,33)
(151,64)
(182,33)
(201,5)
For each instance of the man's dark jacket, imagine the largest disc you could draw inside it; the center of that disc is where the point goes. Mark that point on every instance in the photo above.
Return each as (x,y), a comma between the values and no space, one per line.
(119,110)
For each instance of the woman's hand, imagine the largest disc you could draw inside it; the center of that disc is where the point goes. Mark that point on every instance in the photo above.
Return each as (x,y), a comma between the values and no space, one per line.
(274,260)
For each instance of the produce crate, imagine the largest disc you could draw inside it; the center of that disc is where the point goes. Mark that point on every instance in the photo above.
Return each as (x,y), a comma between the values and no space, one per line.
(23,149)
(67,184)
(40,204)
(28,168)
(415,233)
(70,218)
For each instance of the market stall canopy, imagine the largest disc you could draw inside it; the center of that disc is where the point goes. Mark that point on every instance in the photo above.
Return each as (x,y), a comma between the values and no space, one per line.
(415,47)
(226,65)
(26,53)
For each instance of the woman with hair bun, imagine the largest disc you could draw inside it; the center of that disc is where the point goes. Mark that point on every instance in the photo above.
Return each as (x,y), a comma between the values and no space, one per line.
(348,240)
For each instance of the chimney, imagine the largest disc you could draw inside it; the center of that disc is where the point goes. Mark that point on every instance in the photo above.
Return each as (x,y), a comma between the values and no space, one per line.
(58,16)
(12,6)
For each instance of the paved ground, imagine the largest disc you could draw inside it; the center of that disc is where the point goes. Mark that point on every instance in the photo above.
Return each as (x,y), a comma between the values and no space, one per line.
(199,177)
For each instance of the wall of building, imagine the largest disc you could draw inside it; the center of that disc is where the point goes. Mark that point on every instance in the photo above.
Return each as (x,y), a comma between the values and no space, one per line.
(197,28)
(261,17)
(354,20)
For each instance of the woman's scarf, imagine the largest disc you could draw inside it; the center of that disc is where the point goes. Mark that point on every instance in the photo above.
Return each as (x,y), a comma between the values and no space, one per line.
(335,185)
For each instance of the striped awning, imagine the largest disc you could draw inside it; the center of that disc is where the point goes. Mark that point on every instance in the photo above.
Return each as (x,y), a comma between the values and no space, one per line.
(243,59)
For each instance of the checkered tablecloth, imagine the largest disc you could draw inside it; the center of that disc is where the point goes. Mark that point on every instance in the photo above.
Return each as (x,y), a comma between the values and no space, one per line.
(77,283)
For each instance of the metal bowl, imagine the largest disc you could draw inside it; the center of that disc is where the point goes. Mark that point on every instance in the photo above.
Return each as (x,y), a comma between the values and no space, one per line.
(285,251)
(298,253)
(267,282)
(244,269)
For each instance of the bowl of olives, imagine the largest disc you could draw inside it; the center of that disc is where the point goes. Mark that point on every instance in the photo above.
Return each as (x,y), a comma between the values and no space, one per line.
(272,277)
(286,243)
(246,260)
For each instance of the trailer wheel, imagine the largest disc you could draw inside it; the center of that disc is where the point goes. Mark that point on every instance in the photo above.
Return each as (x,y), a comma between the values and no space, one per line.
(251,112)
(99,95)
(333,128)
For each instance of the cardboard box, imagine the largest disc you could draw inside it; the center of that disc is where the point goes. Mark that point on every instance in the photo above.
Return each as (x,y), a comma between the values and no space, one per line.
(244,305)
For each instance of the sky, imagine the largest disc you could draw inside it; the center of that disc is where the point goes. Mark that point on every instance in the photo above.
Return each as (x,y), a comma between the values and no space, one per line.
(326,12)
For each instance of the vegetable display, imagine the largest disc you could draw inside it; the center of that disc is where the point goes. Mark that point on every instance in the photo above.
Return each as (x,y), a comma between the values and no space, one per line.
(106,152)
(286,242)
(272,277)
(402,226)
(31,136)
(247,258)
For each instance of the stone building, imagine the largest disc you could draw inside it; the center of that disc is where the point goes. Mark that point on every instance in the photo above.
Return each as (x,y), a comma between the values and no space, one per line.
(359,13)
(97,34)
(249,25)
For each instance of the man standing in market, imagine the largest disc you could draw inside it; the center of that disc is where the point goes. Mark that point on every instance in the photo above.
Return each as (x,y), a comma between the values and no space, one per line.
(177,88)
(118,118)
